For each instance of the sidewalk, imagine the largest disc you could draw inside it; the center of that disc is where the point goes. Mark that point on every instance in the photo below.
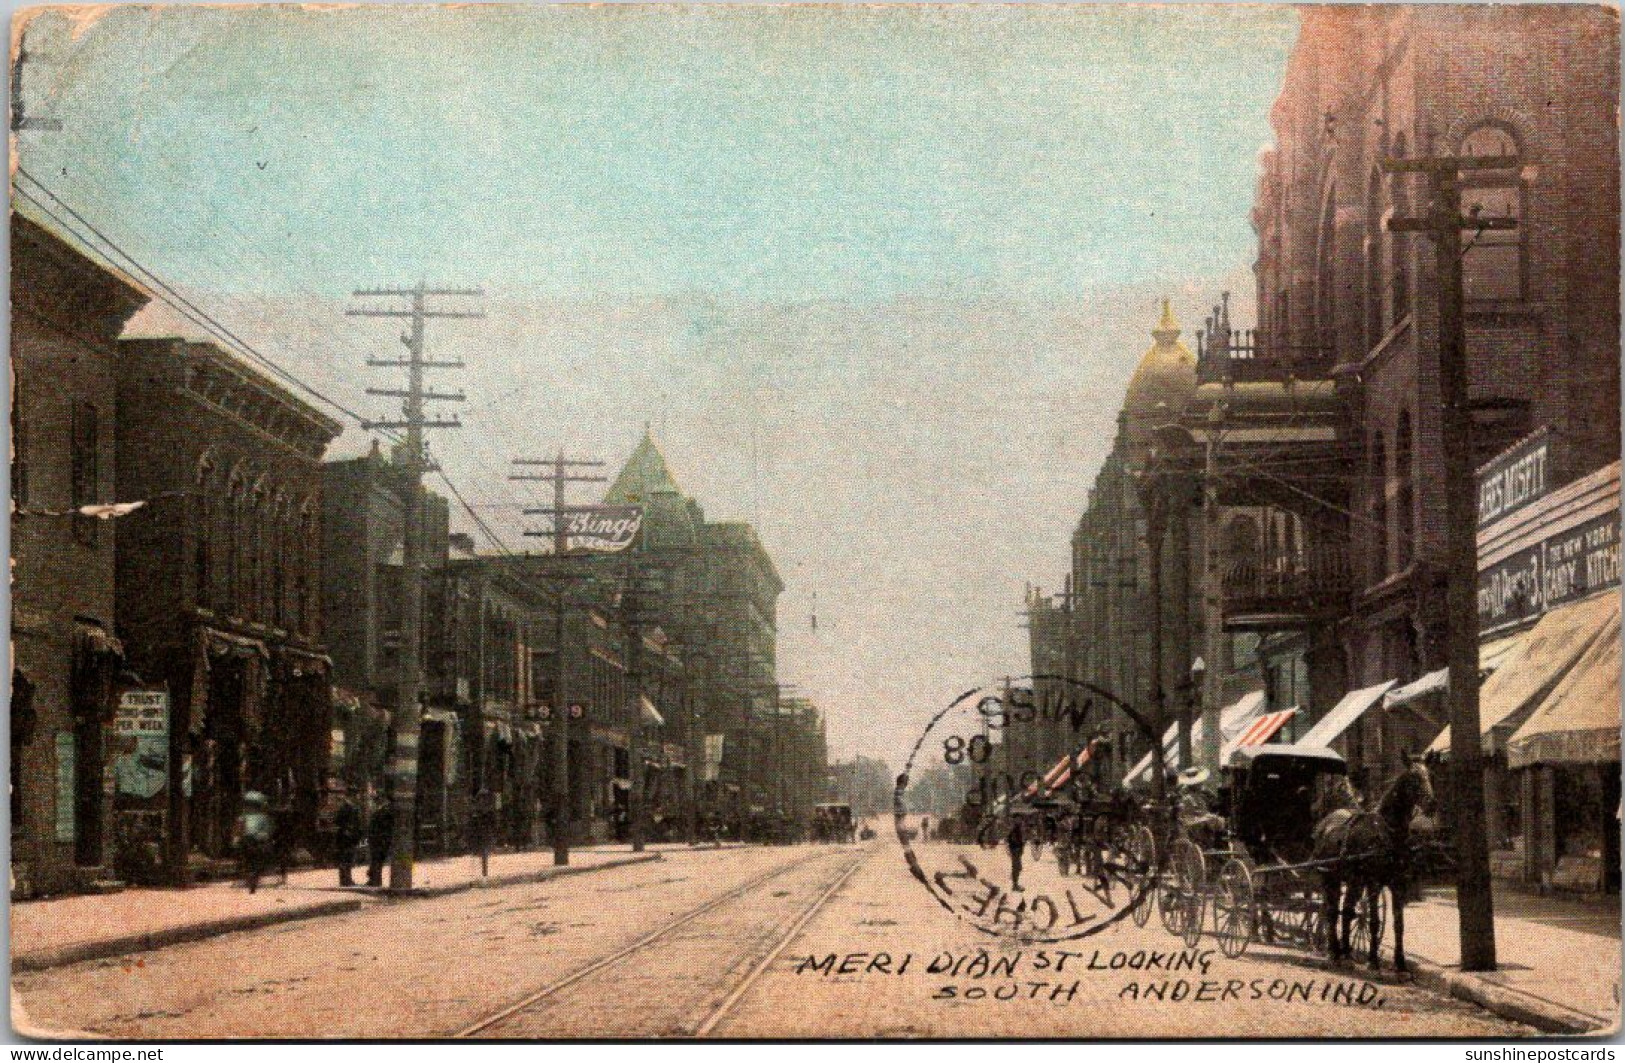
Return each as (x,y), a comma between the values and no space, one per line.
(66,930)
(1559,958)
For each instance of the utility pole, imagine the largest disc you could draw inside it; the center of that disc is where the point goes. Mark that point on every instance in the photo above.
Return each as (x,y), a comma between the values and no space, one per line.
(1155,505)
(633,615)
(563,473)
(407,718)
(1443,224)
(1212,602)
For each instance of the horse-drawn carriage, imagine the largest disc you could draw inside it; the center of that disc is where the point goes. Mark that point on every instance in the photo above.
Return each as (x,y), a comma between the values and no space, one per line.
(1296,844)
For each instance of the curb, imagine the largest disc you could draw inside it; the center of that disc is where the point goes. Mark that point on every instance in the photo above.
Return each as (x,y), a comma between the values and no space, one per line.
(1504,1001)
(515,879)
(44,959)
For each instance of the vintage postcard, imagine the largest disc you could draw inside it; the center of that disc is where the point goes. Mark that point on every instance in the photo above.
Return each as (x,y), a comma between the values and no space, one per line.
(819,521)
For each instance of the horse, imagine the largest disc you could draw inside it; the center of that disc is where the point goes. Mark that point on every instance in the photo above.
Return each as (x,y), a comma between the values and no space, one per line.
(1367,851)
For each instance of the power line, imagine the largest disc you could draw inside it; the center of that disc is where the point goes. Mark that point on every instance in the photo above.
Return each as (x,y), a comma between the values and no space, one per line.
(176,300)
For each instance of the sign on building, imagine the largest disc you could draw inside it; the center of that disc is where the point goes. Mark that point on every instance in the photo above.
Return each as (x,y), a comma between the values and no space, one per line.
(141,737)
(1514,479)
(602,529)
(1566,566)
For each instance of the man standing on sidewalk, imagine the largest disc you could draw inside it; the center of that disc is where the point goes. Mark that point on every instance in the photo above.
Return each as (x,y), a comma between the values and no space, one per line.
(485,819)
(380,836)
(346,836)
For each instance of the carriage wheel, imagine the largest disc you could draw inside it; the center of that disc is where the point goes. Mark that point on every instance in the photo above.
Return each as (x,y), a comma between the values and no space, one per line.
(1370,919)
(1234,916)
(1192,869)
(1141,858)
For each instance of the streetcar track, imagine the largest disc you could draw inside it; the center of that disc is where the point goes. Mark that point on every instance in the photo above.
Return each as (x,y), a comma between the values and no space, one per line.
(721,1010)
(664,931)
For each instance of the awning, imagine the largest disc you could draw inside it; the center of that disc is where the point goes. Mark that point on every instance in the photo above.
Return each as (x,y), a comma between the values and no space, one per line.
(1057,776)
(1548,651)
(1352,706)
(1232,721)
(1433,683)
(1491,656)
(651,715)
(1257,733)
(1578,722)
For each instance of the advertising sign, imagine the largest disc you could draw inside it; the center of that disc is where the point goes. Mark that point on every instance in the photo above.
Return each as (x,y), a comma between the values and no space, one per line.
(1566,566)
(141,742)
(1581,560)
(1513,480)
(601,529)
(1510,591)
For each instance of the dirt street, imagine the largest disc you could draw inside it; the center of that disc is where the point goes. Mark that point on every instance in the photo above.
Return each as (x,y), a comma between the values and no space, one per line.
(597,955)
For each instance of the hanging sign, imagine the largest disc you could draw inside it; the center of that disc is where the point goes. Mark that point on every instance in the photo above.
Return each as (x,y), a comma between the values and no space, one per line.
(713,758)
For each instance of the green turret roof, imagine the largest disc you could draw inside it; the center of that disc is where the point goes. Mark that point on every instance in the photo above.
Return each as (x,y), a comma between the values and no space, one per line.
(644,475)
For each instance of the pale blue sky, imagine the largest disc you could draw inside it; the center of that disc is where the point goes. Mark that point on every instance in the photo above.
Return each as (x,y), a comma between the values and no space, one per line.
(912,251)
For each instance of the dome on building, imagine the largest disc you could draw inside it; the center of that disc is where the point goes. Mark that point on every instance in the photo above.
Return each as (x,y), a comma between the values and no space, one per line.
(1166,377)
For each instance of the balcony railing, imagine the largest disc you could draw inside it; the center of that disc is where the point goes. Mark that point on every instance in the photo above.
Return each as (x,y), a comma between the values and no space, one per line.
(1277,590)
(1251,354)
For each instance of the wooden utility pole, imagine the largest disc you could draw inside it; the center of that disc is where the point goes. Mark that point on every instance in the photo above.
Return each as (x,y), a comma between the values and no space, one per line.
(563,473)
(406,722)
(1156,508)
(1443,224)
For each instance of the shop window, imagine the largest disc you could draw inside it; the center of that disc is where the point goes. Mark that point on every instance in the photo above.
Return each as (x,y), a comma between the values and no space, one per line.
(1492,261)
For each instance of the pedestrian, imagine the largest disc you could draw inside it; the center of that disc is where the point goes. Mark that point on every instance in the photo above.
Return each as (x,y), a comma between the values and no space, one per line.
(380,836)
(1016,841)
(254,837)
(347,834)
(485,819)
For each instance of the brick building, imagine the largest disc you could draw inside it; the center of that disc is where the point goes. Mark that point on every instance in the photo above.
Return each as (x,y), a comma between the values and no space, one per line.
(363,517)
(220,585)
(66,316)
(1345,301)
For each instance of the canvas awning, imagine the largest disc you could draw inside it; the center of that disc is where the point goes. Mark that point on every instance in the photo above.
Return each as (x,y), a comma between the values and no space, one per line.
(1435,682)
(1058,775)
(1232,721)
(1491,656)
(1578,722)
(1352,706)
(651,715)
(1257,733)
(1548,651)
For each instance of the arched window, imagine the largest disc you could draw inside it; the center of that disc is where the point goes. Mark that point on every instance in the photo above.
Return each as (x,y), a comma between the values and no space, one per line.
(1377,490)
(1399,249)
(1404,492)
(1492,264)
(1375,327)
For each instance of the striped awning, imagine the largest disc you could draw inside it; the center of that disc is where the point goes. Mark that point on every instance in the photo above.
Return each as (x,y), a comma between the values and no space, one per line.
(1057,776)
(1258,732)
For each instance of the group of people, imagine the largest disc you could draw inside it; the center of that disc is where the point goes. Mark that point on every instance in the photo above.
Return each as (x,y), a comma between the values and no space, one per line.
(259,848)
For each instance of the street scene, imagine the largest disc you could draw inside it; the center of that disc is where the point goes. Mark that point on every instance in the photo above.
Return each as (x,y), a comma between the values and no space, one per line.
(820,522)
